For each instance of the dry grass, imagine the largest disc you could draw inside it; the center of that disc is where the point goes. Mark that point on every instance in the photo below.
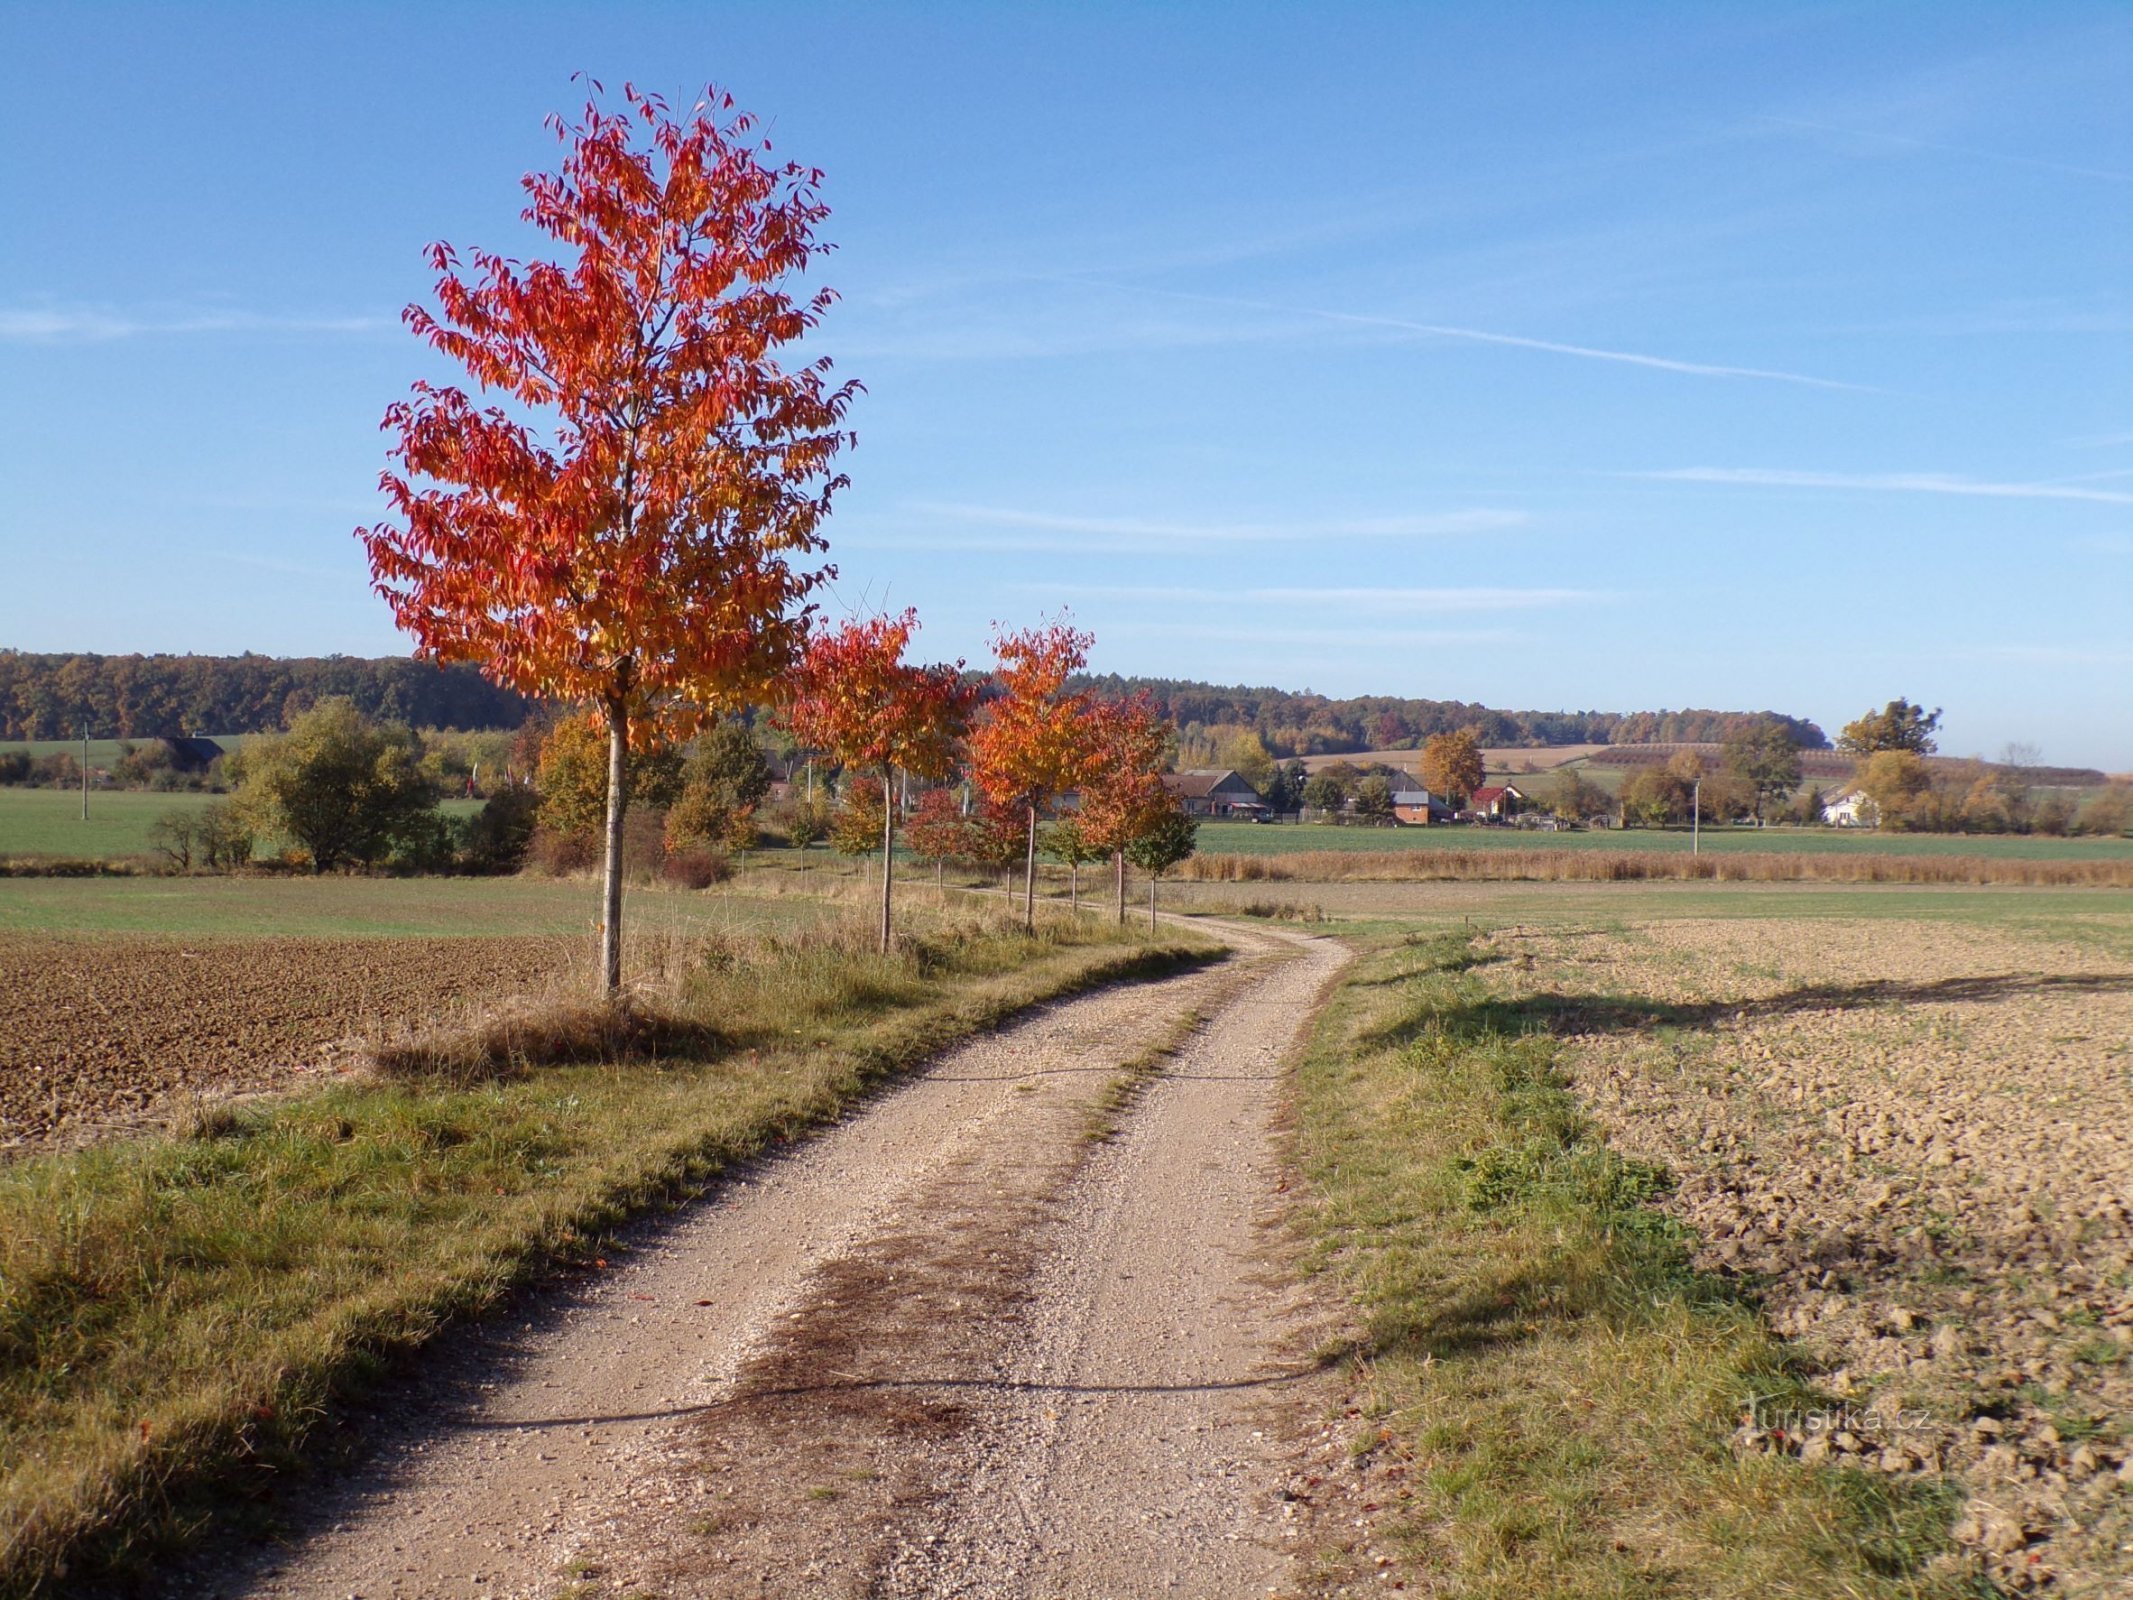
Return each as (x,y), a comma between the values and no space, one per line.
(1548,1388)
(179,1315)
(1541,865)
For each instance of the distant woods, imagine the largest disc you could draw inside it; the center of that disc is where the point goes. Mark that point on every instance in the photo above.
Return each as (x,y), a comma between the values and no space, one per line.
(1210,720)
(147,697)
(141,697)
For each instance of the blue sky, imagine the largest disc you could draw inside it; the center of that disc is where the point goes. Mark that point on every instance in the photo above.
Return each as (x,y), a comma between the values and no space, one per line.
(1549,356)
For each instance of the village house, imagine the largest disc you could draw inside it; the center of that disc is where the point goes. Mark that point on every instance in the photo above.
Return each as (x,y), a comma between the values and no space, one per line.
(1849,809)
(1214,794)
(1418,808)
(1497,802)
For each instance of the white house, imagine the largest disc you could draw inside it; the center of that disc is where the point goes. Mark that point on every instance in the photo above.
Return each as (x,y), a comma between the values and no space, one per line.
(1850,809)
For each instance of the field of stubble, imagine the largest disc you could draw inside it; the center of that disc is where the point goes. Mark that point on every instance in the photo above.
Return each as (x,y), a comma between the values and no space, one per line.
(1916,1140)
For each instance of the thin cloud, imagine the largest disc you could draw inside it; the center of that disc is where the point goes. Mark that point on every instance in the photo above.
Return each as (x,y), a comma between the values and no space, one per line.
(1014,528)
(1883,482)
(87,325)
(1381,601)
(1438,330)
(2105,173)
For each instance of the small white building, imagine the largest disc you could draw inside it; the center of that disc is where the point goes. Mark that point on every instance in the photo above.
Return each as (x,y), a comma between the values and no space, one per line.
(1850,809)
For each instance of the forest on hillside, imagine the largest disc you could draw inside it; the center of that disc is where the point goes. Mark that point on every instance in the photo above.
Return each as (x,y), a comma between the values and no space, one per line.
(1306,724)
(57,696)
(159,696)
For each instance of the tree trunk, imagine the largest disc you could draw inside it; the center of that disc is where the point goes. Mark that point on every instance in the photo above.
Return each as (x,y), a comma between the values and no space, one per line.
(888,852)
(1074,882)
(1029,875)
(618,750)
(1119,856)
(1151,901)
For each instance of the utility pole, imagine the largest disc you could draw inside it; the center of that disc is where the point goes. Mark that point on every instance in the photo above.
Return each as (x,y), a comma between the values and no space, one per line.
(1696,818)
(85,772)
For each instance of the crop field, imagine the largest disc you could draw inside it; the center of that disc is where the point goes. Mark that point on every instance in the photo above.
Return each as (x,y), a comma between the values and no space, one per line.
(48,822)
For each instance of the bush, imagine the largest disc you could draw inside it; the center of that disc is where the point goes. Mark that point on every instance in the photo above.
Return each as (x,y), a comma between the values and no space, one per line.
(501,832)
(223,837)
(696,868)
(560,854)
(175,836)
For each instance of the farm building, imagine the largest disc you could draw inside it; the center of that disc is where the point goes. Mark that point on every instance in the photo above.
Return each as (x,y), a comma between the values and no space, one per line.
(1497,801)
(1850,809)
(1418,807)
(1214,794)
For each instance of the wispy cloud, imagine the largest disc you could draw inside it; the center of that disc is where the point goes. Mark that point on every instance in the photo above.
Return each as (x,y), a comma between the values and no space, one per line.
(1374,601)
(2060,655)
(1883,482)
(2107,174)
(1439,330)
(1006,528)
(94,325)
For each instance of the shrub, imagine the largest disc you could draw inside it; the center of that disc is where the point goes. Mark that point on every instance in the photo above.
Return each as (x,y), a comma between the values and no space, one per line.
(560,854)
(696,868)
(15,766)
(498,837)
(223,837)
(175,836)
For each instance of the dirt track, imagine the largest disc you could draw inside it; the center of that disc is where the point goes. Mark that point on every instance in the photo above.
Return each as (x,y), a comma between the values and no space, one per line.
(953,1347)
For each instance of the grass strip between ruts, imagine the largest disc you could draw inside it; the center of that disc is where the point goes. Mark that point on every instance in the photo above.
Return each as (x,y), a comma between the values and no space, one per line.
(1547,1388)
(179,1316)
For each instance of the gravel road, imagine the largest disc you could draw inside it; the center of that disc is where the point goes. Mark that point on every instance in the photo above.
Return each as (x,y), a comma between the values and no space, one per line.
(955,1346)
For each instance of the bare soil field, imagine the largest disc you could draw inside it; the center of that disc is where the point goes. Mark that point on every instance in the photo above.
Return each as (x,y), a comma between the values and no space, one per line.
(1917,1140)
(102,1033)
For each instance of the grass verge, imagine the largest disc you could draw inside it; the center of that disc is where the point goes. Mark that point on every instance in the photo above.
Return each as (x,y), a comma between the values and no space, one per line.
(180,1315)
(1549,1389)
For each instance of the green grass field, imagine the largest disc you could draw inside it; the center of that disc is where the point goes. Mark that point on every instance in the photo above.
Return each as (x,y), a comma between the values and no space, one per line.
(105,752)
(48,822)
(335,907)
(1247,838)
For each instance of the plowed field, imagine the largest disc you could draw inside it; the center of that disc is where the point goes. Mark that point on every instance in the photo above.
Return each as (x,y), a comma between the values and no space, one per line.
(1916,1140)
(101,1032)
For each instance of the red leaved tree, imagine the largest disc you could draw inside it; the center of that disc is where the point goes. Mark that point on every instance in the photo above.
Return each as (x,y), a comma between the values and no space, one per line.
(618,524)
(1122,795)
(855,697)
(1034,743)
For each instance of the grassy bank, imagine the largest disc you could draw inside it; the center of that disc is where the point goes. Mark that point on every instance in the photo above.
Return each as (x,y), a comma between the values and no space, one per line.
(1549,1388)
(178,1316)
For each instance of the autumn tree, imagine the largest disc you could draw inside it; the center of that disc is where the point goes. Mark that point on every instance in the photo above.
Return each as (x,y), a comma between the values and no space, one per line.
(342,786)
(1765,759)
(1035,742)
(856,697)
(626,520)
(1067,840)
(570,774)
(1899,725)
(722,782)
(1165,839)
(938,831)
(1452,765)
(1122,792)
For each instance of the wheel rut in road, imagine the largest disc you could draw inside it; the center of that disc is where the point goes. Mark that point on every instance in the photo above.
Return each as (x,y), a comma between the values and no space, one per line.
(954,1346)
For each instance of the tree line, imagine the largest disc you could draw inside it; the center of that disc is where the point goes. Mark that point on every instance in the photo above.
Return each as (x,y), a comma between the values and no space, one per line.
(57,696)
(1289,724)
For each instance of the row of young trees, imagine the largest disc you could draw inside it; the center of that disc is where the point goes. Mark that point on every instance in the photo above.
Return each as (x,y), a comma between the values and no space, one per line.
(630,518)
